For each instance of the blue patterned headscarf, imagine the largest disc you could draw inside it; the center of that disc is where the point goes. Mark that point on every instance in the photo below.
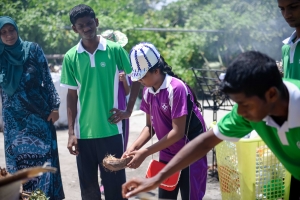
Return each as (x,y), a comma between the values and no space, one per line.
(12,59)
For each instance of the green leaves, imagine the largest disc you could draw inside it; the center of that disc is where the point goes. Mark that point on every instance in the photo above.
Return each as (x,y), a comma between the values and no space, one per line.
(38,195)
(240,25)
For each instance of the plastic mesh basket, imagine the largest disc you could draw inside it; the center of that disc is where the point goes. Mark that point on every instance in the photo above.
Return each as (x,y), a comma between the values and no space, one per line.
(248,170)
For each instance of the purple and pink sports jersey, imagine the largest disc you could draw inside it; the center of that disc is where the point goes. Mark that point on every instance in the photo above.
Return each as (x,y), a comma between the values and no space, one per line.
(122,94)
(172,100)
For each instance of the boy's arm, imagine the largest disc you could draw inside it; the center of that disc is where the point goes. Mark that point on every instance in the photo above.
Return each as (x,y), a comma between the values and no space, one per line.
(68,80)
(191,152)
(124,64)
(126,85)
(72,99)
(135,89)
(118,115)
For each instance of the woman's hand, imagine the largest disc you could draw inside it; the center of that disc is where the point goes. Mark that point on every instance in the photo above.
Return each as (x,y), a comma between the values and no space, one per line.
(54,115)
(138,157)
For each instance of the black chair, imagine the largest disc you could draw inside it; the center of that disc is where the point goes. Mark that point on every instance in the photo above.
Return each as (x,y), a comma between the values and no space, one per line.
(208,82)
(208,86)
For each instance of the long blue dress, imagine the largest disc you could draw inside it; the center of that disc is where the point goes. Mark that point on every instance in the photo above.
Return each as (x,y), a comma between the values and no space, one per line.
(30,140)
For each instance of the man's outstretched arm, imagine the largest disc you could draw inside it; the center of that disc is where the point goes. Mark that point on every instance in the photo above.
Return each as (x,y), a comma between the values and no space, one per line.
(190,153)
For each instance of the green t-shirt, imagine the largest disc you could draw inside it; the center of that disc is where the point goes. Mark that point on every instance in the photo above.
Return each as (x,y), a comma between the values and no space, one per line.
(96,79)
(291,57)
(284,141)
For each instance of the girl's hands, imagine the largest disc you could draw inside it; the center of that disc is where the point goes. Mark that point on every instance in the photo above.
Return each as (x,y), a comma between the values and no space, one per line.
(128,151)
(138,158)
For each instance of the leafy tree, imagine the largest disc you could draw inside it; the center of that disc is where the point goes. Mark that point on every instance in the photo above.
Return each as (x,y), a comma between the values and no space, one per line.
(240,25)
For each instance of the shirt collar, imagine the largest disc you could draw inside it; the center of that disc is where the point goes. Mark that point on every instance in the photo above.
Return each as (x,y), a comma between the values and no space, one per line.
(293,109)
(101,45)
(290,39)
(164,85)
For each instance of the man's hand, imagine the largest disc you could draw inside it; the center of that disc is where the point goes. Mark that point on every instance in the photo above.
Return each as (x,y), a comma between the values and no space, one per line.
(72,145)
(118,115)
(54,115)
(137,185)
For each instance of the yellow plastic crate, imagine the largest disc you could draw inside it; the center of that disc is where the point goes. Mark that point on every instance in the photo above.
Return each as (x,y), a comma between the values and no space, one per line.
(248,170)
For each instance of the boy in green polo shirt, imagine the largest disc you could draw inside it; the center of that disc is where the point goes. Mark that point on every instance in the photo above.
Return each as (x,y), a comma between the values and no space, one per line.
(265,103)
(290,10)
(91,73)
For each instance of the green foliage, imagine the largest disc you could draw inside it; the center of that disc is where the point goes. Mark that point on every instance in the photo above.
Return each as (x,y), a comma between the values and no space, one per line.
(41,22)
(38,195)
(241,25)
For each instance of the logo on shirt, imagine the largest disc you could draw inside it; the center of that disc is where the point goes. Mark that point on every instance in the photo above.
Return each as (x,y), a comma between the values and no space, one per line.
(298,144)
(164,106)
(102,64)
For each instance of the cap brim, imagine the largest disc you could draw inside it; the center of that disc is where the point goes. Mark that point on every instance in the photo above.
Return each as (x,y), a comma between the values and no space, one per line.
(121,38)
(136,76)
(116,36)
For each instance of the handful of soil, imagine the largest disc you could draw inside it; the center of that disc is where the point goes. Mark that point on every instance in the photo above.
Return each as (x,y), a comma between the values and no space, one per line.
(115,164)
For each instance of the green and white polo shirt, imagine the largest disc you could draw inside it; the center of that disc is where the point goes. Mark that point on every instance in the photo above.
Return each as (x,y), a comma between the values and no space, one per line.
(96,79)
(291,57)
(284,141)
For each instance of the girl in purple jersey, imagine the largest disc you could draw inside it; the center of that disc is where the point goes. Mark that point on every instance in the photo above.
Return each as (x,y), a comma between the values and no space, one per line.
(173,113)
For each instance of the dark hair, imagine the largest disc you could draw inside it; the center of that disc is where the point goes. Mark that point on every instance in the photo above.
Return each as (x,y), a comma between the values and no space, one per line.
(166,69)
(252,73)
(80,11)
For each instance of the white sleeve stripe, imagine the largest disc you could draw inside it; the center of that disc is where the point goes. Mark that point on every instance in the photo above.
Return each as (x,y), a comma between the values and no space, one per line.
(171,93)
(223,137)
(69,86)
(185,87)
(146,95)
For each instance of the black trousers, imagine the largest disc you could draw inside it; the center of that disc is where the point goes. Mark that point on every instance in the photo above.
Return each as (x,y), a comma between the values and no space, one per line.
(91,155)
(295,189)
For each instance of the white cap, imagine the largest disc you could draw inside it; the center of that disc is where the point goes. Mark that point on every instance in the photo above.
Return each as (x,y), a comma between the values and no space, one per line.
(143,56)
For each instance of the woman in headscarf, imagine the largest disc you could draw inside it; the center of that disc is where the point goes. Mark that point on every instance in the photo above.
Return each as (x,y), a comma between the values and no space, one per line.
(29,107)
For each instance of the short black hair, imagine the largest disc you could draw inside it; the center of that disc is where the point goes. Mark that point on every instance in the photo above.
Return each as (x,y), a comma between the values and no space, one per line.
(252,73)
(80,11)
